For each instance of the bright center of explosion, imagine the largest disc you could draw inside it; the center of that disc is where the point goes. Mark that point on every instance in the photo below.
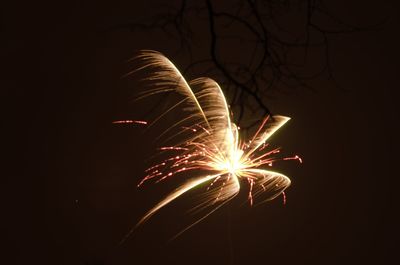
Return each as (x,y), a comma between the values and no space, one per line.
(232,164)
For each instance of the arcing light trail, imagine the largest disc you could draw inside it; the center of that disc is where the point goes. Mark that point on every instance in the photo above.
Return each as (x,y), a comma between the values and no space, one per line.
(210,144)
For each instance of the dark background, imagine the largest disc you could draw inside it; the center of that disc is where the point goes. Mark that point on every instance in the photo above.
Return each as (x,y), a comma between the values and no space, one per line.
(70,177)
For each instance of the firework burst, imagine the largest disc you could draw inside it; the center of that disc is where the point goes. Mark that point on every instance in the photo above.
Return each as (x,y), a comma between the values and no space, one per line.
(211,144)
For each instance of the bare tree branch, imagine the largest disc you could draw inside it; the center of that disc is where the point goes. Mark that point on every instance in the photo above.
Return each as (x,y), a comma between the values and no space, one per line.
(267,44)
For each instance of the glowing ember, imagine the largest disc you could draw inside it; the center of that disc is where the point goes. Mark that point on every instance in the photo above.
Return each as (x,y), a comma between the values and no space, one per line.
(213,146)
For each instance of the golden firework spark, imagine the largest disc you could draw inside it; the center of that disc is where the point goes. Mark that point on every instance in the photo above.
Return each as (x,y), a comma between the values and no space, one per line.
(214,144)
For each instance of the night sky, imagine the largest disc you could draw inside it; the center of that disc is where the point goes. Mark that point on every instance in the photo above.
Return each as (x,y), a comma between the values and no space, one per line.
(69,179)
